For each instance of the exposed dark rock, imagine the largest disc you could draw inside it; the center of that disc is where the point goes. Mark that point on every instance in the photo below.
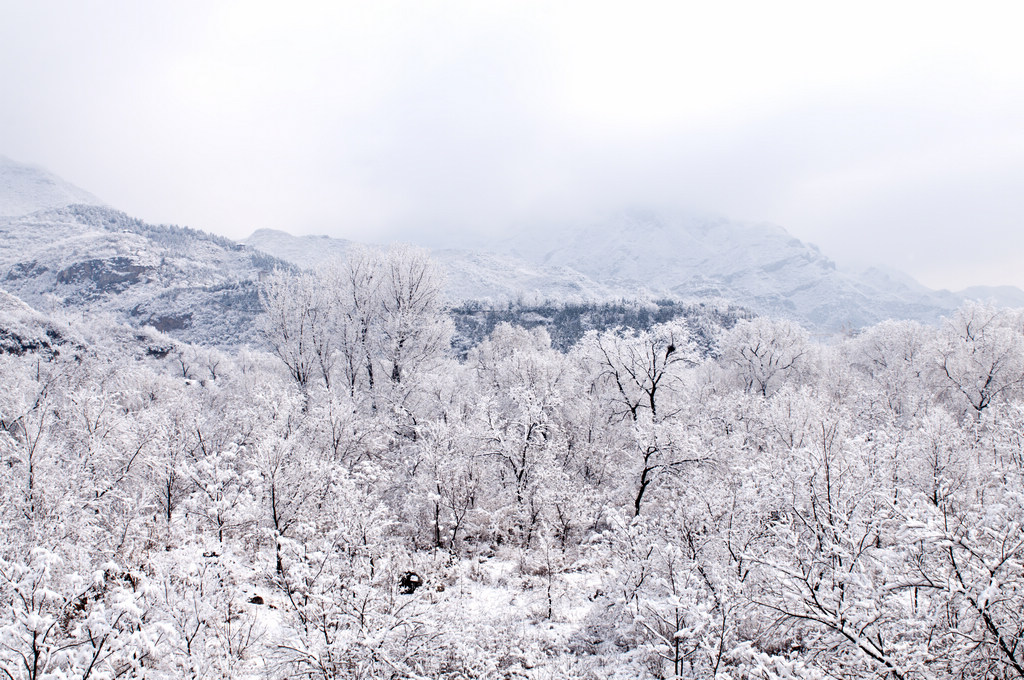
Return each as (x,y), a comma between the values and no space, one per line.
(158,352)
(112,275)
(170,322)
(409,582)
(14,343)
(24,270)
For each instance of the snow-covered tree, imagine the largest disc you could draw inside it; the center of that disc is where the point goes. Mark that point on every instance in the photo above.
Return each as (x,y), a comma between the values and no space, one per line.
(764,353)
(980,352)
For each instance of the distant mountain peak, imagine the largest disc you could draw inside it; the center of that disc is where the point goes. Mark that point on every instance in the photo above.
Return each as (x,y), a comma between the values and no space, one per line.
(28,188)
(62,241)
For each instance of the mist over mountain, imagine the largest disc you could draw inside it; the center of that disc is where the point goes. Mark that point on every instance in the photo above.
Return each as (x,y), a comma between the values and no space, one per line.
(63,246)
(470,274)
(27,188)
(196,286)
(646,255)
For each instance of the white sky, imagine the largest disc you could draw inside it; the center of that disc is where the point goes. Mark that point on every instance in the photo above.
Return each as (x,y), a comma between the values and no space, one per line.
(887,133)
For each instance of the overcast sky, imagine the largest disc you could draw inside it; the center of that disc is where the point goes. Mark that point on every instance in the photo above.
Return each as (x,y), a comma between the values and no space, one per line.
(886,133)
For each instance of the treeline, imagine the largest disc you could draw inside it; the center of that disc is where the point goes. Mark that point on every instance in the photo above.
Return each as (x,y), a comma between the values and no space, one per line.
(567,323)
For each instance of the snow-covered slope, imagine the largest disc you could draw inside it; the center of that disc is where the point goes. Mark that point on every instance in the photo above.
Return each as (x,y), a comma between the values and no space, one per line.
(192,285)
(200,287)
(70,332)
(475,275)
(23,329)
(1001,296)
(302,251)
(646,255)
(25,189)
(758,266)
(471,275)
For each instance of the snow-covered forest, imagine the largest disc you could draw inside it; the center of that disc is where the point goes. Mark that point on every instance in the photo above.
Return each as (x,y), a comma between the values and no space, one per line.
(357,502)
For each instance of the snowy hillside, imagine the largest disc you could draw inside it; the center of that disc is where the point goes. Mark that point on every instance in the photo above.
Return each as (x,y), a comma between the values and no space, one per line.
(302,251)
(758,266)
(181,281)
(203,288)
(23,329)
(643,255)
(26,188)
(471,275)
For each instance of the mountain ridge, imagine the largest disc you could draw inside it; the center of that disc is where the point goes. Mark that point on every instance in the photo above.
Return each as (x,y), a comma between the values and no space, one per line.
(28,188)
(204,288)
(643,255)
(199,287)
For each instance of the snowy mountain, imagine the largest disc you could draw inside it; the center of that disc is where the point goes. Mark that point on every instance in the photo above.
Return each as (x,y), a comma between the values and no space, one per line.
(302,251)
(758,266)
(26,188)
(1001,296)
(60,244)
(471,275)
(72,332)
(23,329)
(192,285)
(645,255)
